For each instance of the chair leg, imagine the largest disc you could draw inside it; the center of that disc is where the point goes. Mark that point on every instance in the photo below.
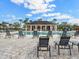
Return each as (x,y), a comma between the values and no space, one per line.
(58,50)
(72,45)
(37,51)
(49,51)
(78,48)
(70,50)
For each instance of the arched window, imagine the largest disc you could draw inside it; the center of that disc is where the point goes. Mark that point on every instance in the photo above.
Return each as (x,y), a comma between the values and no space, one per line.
(48,27)
(38,28)
(43,28)
(33,28)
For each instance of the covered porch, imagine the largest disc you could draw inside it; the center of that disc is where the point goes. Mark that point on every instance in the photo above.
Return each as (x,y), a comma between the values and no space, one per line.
(41,26)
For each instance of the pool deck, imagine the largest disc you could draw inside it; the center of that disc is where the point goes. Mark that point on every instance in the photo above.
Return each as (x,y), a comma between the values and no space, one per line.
(64,54)
(25,48)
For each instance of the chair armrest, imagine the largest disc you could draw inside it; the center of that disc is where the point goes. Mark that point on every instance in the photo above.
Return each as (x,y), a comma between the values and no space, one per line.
(70,43)
(75,42)
(56,42)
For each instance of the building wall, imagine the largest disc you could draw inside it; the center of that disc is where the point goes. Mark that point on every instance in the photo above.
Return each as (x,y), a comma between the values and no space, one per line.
(43,27)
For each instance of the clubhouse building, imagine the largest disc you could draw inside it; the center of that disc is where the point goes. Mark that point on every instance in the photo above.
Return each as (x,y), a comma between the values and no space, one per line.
(41,26)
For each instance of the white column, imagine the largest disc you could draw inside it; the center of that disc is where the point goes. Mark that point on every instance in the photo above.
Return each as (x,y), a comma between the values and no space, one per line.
(36,27)
(30,27)
(26,28)
(51,28)
(55,27)
(45,28)
(41,27)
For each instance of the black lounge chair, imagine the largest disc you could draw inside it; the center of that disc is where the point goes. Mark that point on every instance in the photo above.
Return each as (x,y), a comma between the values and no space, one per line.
(78,47)
(43,43)
(64,44)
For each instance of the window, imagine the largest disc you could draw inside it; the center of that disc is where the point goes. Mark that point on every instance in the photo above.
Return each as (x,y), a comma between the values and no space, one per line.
(48,27)
(33,28)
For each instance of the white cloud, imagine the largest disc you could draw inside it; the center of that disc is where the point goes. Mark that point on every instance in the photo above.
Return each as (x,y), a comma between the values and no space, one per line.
(58,15)
(51,14)
(40,11)
(43,6)
(10,18)
(17,1)
(51,6)
(47,1)
(74,21)
(7,16)
(38,18)
(63,16)
(29,15)
(37,5)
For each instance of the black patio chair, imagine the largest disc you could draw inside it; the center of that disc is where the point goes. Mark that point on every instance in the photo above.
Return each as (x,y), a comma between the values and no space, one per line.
(78,47)
(43,43)
(64,44)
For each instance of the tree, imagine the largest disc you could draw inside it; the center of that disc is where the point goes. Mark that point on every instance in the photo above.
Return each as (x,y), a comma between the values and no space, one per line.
(30,21)
(16,25)
(1,26)
(20,21)
(40,19)
(54,21)
(26,20)
(74,26)
(4,24)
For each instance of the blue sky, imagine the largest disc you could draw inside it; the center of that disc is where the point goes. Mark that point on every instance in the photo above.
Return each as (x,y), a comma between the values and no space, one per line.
(62,10)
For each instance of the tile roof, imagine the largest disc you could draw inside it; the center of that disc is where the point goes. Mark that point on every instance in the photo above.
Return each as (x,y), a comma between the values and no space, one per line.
(41,22)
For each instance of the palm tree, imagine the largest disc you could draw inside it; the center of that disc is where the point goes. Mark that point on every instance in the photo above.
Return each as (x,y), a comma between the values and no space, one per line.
(74,26)
(26,20)
(16,25)
(4,25)
(30,21)
(0,26)
(20,21)
(40,19)
(54,21)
